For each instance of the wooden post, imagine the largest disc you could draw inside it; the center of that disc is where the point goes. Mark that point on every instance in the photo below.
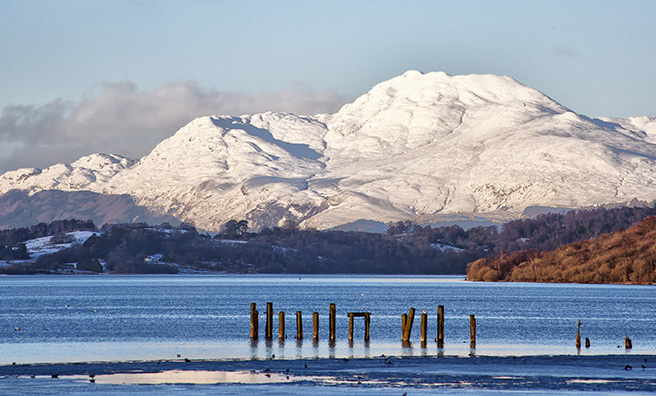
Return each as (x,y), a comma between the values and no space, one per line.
(587,342)
(367,323)
(315,326)
(578,335)
(299,325)
(472,331)
(627,343)
(440,326)
(254,322)
(281,325)
(269,321)
(331,322)
(408,325)
(350,335)
(424,328)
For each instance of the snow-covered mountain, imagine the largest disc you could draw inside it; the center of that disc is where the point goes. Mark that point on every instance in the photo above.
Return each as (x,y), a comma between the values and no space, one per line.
(427,147)
(87,173)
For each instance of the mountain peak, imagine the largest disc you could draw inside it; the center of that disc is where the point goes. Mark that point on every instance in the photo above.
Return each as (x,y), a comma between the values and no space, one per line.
(420,146)
(415,109)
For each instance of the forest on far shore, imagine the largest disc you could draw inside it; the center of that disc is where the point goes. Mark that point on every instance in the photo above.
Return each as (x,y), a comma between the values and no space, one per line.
(626,256)
(405,248)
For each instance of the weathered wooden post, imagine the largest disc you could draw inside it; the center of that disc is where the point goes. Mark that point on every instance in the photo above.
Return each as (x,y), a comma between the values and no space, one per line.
(367,321)
(627,342)
(404,322)
(578,335)
(587,342)
(440,326)
(299,325)
(254,322)
(350,334)
(281,325)
(269,322)
(424,327)
(331,322)
(472,331)
(315,326)
(407,331)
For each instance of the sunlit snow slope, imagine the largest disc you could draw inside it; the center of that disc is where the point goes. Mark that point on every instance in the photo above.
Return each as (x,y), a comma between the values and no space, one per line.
(425,147)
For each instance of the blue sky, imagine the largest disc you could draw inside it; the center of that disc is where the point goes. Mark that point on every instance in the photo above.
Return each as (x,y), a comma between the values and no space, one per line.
(120,75)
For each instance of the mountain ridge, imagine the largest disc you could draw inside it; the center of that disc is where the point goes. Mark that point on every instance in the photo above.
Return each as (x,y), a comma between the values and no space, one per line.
(424,147)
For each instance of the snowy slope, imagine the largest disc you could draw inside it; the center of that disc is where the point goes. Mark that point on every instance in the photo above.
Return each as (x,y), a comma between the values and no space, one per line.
(219,168)
(44,245)
(84,174)
(428,147)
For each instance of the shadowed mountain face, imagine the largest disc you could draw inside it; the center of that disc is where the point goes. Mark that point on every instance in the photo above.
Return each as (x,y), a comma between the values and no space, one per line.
(431,148)
(18,209)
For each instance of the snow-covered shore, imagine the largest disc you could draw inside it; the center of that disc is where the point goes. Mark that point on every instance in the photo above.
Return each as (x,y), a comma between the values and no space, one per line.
(563,374)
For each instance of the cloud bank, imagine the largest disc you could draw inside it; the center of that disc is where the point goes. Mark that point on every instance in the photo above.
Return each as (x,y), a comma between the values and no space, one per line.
(120,119)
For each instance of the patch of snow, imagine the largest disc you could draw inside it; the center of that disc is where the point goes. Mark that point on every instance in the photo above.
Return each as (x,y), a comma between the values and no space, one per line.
(231,242)
(41,246)
(441,247)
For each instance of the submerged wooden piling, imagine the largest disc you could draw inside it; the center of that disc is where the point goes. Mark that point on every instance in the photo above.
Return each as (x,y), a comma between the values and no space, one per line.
(281,325)
(299,325)
(407,321)
(315,326)
(367,322)
(254,322)
(331,321)
(627,343)
(424,327)
(587,342)
(350,333)
(472,331)
(578,335)
(269,321)
(440,326)
(404,321)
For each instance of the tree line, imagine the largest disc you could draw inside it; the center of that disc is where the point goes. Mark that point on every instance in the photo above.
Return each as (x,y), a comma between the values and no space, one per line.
(405,248)
(625,256)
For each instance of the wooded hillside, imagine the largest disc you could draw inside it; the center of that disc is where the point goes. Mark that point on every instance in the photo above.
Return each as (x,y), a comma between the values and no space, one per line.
(626,256)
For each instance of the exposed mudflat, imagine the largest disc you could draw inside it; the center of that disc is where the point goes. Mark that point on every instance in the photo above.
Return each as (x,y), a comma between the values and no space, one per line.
(565,374)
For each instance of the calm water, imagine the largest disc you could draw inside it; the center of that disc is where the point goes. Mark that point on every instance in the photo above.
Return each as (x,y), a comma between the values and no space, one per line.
(108,318)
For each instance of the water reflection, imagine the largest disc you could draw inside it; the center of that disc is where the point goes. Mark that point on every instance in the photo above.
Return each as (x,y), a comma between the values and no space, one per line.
(331,349)
(188,377)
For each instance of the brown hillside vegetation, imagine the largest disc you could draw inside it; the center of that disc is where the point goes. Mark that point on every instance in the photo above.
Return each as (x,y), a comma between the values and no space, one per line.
(627,256)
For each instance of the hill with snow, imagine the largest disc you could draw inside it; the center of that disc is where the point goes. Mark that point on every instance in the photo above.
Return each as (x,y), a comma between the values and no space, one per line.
(426,147)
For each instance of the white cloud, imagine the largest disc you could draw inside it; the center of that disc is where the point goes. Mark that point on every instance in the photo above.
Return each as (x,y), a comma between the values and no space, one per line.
(120,119)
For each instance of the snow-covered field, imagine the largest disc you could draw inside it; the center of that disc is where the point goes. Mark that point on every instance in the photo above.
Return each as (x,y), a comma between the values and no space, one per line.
(45,245)
(528,375)
(40,246)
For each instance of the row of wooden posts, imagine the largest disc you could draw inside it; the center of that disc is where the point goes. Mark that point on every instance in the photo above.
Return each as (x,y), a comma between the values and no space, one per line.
(627,341)
(407,321)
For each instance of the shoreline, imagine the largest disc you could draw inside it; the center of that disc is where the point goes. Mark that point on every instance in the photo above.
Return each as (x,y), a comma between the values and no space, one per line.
(641,363)
(558,374)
